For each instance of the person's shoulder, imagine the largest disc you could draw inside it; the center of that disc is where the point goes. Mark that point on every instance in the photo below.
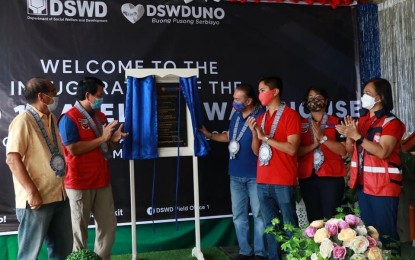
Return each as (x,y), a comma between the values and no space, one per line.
(292,112)
(333,118)
(21,117)
(101,115)
(22,120)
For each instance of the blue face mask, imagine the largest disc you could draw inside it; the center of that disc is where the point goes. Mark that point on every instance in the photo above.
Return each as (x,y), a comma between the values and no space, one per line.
(97,104)
(239,106)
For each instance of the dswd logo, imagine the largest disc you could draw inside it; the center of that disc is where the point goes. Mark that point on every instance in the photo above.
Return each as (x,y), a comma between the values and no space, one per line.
(132,13)
(68,8)
(37,7)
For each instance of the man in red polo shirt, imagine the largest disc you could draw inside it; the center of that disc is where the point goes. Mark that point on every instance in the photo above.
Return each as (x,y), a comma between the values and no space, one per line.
(276,143)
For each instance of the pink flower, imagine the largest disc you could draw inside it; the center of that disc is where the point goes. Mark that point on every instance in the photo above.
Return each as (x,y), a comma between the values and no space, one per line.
(331,228)
(310,231)
(343,224)
(352,220)
(372,242)
(339,252)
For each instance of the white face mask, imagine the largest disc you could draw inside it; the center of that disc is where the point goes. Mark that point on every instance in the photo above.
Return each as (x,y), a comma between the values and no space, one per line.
(367,101)
(54,105)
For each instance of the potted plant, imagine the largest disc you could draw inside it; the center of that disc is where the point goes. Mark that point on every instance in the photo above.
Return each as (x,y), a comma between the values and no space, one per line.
(83,254)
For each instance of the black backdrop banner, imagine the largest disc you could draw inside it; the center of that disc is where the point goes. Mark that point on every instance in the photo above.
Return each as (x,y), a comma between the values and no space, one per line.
(228,42)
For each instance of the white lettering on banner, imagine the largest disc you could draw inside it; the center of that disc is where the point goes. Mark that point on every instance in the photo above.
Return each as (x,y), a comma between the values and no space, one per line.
(117,154)
(225,87)
(167,65)
(3,219)
(152,211)
(117,213)
(81,8)
(91,67)
(185,11)
(341,109)
(109,66)
(165,20)
(208,67)
(213,111)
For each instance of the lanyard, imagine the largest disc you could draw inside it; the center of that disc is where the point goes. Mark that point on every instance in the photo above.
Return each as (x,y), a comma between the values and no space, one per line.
(318,154)
(57,161)
(265,152)
(322,126)
(245,126)
(39,122)
(97,130)
(275,122)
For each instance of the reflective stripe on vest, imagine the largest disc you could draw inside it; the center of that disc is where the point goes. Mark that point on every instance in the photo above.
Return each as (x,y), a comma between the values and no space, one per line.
(371,169)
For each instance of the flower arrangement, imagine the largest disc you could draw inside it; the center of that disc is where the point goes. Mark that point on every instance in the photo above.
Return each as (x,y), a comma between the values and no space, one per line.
(341,237)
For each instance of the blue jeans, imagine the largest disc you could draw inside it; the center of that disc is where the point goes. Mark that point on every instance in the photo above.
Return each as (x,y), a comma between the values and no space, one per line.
(277,201)
(243,193)
(50,223)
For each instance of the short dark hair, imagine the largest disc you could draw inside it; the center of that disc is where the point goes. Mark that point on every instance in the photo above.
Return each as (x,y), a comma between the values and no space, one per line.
(384,89)
(88,84)
(319,90)
(35,86)
(249,91)
(272,82)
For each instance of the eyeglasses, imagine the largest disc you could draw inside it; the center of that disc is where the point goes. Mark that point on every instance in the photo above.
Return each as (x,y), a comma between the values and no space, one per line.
(48,95)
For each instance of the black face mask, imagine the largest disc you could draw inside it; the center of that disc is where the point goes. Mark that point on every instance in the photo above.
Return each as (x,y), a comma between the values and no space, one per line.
(316,104)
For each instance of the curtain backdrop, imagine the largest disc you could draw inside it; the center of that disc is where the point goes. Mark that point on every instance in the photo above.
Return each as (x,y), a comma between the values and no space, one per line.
(397,42)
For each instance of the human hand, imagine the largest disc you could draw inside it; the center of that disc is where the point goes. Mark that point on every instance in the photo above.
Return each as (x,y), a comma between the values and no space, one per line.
(348,128)
(34,200)
(317,133)
(255,128)
(119,134)
(108,130)
(204,131)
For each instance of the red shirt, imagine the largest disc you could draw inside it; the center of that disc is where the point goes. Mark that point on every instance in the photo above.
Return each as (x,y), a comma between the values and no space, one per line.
(282,168)
(333,165)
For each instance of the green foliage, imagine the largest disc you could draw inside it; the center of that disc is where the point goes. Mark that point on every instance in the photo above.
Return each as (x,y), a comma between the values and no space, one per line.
(83,254)
(345,232)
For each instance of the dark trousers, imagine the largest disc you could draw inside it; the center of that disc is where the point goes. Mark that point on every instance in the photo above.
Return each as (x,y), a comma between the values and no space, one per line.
(322,195)
(380,212)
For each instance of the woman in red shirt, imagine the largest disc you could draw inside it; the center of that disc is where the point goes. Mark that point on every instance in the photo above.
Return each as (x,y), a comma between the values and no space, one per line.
(321,169)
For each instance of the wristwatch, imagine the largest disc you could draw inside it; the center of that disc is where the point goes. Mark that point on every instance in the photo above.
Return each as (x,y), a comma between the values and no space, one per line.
(266,139)
(323,139)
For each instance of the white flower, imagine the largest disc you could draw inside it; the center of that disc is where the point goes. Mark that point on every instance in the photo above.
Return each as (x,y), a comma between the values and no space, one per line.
(326,248)
(361,230)
(359,244)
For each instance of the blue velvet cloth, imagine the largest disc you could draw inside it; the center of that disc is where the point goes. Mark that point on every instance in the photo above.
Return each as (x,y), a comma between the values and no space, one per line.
(141,119)
(191,95)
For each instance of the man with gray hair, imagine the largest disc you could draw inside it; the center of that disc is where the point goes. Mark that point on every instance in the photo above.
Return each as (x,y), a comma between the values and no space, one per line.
(35,158)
